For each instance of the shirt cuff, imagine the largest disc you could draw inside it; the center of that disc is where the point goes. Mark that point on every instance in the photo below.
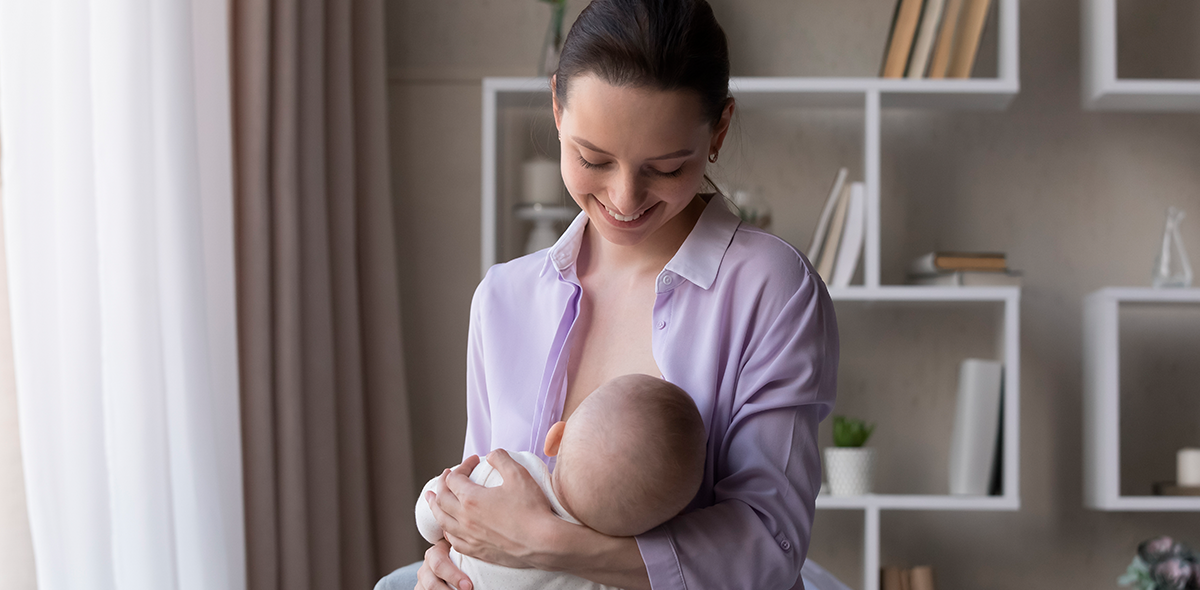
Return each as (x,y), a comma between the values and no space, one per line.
(662,562)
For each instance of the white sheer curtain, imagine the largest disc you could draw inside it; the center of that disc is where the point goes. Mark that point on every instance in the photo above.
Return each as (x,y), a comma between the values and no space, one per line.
(115,126)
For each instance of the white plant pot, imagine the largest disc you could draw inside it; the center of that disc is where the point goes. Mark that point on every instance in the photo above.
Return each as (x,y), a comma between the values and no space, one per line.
(850,470)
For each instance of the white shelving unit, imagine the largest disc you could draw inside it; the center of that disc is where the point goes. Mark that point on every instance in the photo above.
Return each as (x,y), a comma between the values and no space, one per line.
(1102,399)
(872,95)
(1103,90)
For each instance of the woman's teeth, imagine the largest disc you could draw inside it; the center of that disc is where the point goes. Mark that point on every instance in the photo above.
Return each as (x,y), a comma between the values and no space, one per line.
(620,217)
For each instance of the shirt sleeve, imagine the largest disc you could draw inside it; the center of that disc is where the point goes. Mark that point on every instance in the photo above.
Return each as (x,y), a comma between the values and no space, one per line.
(767,467)
(479,417)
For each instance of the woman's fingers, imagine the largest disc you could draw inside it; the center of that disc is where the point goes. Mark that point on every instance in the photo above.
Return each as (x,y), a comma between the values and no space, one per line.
(508,467)
(438,572)
(436,503)
(467,466)
(446,499)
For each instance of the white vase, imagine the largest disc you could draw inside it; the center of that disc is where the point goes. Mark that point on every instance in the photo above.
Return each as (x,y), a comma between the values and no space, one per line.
(850,470)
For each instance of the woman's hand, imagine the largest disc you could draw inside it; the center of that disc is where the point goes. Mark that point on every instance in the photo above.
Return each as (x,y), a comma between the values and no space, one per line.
(508,525)
(513,525)
(438,568)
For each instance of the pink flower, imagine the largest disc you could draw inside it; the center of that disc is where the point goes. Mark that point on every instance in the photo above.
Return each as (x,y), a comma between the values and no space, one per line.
(1157,549)
(1174,573)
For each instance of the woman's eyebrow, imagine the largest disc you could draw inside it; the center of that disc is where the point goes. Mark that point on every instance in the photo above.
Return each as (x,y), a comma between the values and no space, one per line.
(589,145)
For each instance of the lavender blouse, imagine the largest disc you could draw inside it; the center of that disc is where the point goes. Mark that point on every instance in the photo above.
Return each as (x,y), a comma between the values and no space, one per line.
(746,327)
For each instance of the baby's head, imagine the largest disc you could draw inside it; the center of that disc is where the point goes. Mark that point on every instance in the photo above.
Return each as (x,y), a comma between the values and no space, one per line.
(630,457)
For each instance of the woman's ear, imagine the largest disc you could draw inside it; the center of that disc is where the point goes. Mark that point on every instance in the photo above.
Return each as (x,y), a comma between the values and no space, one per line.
(554,438)
(722,127)
(554,103)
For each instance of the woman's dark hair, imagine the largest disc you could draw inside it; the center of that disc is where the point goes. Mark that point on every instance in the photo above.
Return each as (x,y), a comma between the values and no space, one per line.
(660,44)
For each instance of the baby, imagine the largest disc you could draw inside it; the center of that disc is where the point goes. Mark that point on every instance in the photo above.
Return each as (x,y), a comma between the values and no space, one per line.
(630,458)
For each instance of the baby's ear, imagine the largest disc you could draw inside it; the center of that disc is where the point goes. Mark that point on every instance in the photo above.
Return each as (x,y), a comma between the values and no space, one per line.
(554,438)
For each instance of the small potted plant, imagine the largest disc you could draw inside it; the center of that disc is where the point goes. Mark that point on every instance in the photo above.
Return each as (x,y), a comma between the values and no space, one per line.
(1163,564)
(850,466)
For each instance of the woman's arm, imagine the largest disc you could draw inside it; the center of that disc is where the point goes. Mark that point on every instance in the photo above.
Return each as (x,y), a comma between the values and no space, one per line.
(766,464)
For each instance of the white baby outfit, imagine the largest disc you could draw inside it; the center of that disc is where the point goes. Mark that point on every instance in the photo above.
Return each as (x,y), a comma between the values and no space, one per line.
(488,576)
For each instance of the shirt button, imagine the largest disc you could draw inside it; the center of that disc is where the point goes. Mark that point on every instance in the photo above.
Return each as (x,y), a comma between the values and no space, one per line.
(785,545)
(661,324)
(667,279)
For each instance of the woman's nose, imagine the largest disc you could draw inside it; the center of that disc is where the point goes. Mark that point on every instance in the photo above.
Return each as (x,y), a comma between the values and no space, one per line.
(626,194)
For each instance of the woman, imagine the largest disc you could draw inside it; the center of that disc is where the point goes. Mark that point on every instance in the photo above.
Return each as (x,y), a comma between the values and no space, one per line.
(653,277)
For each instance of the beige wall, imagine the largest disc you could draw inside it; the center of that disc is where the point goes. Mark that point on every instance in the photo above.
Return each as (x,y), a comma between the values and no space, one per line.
(1076,199)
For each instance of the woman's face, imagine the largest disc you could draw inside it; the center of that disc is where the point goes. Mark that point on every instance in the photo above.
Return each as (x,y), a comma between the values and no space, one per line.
(633,158)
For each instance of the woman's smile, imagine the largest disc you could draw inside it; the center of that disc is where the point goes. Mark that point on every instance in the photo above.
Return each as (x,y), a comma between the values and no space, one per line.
(627,221)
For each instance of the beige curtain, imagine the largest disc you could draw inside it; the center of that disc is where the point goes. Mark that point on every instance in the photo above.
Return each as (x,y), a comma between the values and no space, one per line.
(325,428)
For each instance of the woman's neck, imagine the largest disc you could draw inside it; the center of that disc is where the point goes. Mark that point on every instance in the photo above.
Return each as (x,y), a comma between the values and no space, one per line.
(598,255)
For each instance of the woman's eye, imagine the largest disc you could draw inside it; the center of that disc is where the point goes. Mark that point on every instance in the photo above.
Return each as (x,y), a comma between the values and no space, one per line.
(587,164)
(673,173)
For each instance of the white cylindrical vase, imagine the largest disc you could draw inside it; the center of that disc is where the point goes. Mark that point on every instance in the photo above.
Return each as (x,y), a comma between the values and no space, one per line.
(1187,468)
(541,182)
(850,470)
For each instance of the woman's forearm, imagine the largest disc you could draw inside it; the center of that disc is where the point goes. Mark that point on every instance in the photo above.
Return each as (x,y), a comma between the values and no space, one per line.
(612,561)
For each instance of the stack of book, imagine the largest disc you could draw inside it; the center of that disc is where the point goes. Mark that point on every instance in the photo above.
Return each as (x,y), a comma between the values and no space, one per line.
(913,578)
(838,239)
(934,38)
(963,269)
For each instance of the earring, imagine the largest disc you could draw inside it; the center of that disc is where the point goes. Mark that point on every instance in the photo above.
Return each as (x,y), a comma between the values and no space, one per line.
(712,157)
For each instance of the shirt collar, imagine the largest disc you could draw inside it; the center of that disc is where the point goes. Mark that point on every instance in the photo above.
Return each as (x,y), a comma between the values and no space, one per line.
(698,259)
(565,251)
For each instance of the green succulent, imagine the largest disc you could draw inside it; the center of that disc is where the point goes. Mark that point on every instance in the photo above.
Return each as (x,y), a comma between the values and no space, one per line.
(850,432)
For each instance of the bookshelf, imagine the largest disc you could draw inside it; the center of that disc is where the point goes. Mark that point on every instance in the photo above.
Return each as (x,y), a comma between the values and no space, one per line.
(1103,90)
(508,100)
(1102,398)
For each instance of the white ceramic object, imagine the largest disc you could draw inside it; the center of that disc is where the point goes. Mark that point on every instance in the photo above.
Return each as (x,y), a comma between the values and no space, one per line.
(850,470)
(1187,467)
(541,182)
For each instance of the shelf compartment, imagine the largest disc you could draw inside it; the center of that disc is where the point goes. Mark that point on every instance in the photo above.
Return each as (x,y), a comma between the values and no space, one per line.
(881,328)
(1102,90)
(1102,398)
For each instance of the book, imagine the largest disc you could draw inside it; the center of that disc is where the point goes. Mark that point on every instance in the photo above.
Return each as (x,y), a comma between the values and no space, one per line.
(814,249)
(945,40)
(899,578)
(836,224)
(974,443)
(966,41)
(899,45)
(926,33)
(890,578)
(967,278)
(852,236)
(1168,488)
(921,578)
(936,262)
